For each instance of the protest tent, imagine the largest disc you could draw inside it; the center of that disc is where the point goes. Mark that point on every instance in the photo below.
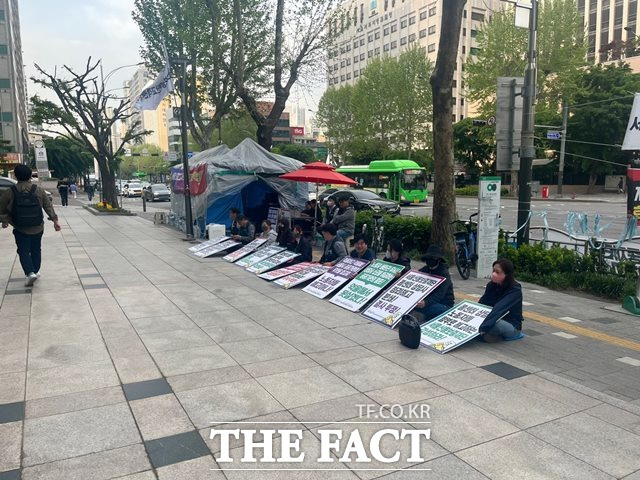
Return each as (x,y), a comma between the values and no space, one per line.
(245,177)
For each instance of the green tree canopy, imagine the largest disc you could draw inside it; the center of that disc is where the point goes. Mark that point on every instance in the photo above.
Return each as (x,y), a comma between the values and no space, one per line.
(474,146)
(67,158)
(299,152)
(148,158)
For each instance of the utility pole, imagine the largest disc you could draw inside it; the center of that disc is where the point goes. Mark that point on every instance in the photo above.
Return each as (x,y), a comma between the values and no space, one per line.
(185,148)
(527,150)
(563,141)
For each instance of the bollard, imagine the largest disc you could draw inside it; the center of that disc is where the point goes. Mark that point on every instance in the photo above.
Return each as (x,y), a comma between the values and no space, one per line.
(144,203)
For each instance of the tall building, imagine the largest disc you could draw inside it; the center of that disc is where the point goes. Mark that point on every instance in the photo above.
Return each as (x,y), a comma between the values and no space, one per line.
(153,120)
(608,23)
(388,27)
(13,96)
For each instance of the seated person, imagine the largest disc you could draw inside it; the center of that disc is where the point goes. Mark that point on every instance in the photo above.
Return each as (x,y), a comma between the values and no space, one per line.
(330,209)
(246,230)
(441,299)
(268,233)
(395,254)
(285,237)
(300,244)
(504,294)
(345,218)
(361,249)
(334,248)
(233,215)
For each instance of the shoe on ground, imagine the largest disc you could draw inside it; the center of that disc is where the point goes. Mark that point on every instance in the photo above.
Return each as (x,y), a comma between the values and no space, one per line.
(30,280)
(517,336)
(38,274)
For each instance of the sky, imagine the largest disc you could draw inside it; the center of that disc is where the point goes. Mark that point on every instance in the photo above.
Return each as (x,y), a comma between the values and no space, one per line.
(67,32)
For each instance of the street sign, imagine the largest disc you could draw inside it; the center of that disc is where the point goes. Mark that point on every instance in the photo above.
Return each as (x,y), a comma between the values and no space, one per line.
(508,122)
(554,135)
(189,154)
(491,121)
(173,156)
(488,225)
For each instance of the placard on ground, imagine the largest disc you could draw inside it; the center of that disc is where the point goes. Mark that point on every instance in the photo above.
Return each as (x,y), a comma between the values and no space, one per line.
(244,251)
(272,262)
(283,272)
(338,275)
(259,255)
(302,276)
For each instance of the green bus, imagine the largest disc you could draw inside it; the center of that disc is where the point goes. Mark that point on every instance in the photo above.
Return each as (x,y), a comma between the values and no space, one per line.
(401,180)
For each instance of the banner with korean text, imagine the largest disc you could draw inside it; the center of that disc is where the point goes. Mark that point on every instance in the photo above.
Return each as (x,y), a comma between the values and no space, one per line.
(217,248)
(259,255)
(339,274)
(302,276)
(272,262)
(284,271)
(208,243)
(244,251)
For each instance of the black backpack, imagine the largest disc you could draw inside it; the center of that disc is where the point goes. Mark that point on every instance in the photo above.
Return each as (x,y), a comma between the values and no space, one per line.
(409,331)
(27,210)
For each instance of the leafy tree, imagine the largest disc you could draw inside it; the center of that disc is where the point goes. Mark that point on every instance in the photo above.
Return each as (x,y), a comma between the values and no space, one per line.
(147,158)
(236,126)
(561,51)
(474,146)
(444,200)
(84,114)
(604,122)
(68,159)
(299,152)
(335,114)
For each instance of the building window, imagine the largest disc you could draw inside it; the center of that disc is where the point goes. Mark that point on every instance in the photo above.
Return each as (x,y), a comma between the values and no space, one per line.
(355,59)
(342,64)
(412,37)
(356,74)
(423,33)
(474,33)
(462,102)
(3,50)
(377,52)
(464,49)
(362,56)
(377,35)
(464,32)
(403,41)
(370,54)
(477,16)
(5,83)
(2,18)
(361,12)
(355,44)
(455,84)
(432,11)
(348,49)
(394,44)
(403,24)
(348,76)
(386,47)
(431,48)
(362,42)
(370,38)
(474,51)
(348,61)
(412,20)
(394,28)
(7,116)
(386,5)
(342,78)
(386,31)
(432,29)
(423,15)
(453,118)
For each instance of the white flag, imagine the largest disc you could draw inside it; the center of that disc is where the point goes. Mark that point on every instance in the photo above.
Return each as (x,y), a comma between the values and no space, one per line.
(151,96)
(632,136)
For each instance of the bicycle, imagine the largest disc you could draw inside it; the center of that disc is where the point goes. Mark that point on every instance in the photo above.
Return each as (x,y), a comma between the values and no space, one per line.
(466,255)
(377,236)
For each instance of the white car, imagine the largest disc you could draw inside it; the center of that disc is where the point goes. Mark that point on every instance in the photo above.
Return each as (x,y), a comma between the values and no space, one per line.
(132,190)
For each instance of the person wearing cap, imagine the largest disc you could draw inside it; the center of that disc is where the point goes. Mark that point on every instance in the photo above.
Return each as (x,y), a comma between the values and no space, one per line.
(441,299)
(334,248)
(345,218)
(395,254)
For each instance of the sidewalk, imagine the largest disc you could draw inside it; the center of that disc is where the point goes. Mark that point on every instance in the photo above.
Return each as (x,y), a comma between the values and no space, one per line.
(117,361)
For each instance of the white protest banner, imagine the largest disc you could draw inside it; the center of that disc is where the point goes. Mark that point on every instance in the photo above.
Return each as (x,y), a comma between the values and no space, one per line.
(208,243)
(151,96)
(341,273)
(283,272)
(302,276)
(454,327)
(366,285)
(217,248)
(401,297)
(272,262)
(244,251)
(259,255)
(632,135)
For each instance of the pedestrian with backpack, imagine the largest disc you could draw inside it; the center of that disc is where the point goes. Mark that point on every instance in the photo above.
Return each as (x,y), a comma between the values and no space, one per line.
(21,206)
(63,190)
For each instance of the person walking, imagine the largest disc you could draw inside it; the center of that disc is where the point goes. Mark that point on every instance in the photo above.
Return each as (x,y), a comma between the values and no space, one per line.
(63,190)
(74,189)
(88,189)
(21,206)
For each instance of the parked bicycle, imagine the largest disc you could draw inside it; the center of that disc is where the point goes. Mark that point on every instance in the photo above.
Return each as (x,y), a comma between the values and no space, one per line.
(377,237)
(465,240)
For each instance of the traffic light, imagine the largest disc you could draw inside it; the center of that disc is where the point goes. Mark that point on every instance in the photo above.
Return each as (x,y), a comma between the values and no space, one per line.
(479,123)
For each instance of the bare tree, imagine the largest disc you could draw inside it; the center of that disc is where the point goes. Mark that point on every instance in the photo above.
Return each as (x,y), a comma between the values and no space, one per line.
(85,115)
(444,202)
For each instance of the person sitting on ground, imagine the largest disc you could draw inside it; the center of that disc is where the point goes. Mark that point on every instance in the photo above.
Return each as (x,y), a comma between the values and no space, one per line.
(345,218)
(300,244)
(334,248)
(233,215)
(268,233)
(285,236)
(361,249)
(246,230)
(395,254)
(330,209)
(504,294)
(441,299)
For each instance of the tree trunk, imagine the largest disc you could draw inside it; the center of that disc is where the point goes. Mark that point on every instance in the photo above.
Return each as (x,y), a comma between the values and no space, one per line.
(593,178)
(444,200)
(108,193)
(265,136)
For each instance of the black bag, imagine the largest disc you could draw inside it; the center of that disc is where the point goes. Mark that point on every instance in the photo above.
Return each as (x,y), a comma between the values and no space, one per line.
(26,210)
(409,331)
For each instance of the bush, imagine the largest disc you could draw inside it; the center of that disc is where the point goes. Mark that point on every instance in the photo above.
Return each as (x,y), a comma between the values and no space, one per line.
(472,191)
(415,232)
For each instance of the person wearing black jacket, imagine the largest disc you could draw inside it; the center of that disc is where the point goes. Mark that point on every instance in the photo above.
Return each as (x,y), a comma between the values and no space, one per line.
(504,294)
(361,250)
(300,244)
(395,254)
(441,299)
(334,248)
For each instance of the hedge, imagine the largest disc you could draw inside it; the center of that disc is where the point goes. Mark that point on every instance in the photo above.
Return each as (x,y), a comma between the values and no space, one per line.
(472,191)
(415,232)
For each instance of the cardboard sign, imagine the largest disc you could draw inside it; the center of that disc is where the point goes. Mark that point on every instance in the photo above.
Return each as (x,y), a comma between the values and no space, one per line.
(339,274)
(208,243)
(366,285)
(302,276)
(272,262)
(401,297)
(244,251)
(454,327)
(217,248)
(259,255)
(283,272)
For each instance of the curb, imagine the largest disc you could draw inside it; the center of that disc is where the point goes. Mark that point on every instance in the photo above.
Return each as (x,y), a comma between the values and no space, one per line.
(93,211)
(567,199)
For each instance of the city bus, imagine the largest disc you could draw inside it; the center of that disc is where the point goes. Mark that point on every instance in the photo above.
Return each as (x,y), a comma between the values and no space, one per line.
(401,180)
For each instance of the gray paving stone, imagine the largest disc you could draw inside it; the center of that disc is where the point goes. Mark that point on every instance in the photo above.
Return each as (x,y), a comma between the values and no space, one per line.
(367,333)
(195,359)
(605,446)
(556,391)
(294,389)
(317,341)
(289,325)
(14,323)
(505,370)
(548,462)
(160,416)
(466,379)
(191,381)
(97,466)
(448,467)
(428,364)
(334,410)
(197,469)
(235,332)
(146,389)
(60,354)
(372,373)
(341,355)
(259,350)
(406,393)
(51,382)
(176,448)
(148,475)
(273,310)
(44,407)
(162,324)
(137,368)
(175,340)
(73,434)
(224,315)
(10,442)
(280,365)
(227,402)
(616,416)
(12,387)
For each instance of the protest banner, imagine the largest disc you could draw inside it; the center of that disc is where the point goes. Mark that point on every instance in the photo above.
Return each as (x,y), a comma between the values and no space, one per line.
(454,327)
(208,243)
(337,276)
(244,251)
(272,262)
(217,248)
(259,255)
(366,285)
(302,276)
(401,297)
(283,272)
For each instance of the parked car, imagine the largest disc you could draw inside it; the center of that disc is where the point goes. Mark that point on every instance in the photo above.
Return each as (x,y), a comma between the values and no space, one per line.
(322,196)
(366,200)
(132,190)
(6,183)
(157,192)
